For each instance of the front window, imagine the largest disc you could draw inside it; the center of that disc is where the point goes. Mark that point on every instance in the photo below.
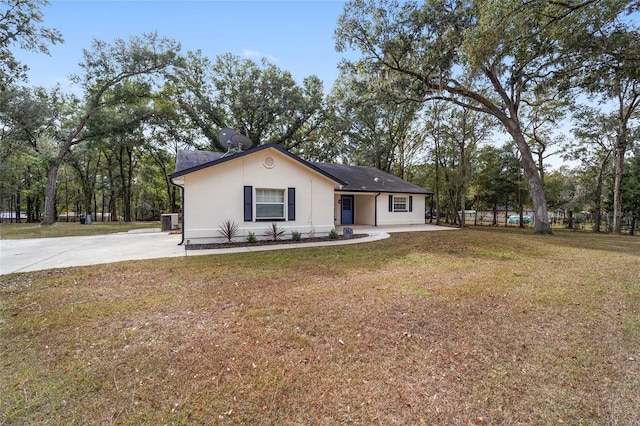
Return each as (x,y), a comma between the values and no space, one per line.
(270,204)
(400,204)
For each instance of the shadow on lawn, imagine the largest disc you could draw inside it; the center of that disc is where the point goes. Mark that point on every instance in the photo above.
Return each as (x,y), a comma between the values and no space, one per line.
(567,238)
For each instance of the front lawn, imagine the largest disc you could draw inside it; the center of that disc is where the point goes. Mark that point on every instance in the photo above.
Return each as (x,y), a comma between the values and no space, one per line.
(478,326)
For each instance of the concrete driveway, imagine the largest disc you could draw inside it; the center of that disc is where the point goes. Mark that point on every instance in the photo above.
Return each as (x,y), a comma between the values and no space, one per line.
(47,253)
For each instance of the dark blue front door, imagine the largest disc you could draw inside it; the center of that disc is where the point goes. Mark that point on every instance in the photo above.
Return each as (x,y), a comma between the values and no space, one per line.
(346,203)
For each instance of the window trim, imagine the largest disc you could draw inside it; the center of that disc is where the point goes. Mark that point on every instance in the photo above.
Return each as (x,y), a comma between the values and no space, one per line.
(282,204)
(396,203)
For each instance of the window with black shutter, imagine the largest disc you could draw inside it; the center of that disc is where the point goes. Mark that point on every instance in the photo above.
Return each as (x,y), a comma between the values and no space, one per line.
(248,203)
(291,204)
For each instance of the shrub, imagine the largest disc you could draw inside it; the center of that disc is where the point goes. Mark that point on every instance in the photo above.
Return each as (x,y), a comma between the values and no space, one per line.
(228,230)
(333,234)
(251,238)
(295,235)
(274,232)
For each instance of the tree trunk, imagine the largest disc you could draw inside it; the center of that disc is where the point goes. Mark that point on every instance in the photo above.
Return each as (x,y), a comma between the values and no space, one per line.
(173,198)
(437,190)
(31,209)
(30,198)
(597,202)
(520,201)
(495,214)
(463,179)
(570,220)
(475,216)
(113,211)
(126,178)
(18,202)
(50,194)
(618,171)
(506,213)
(50,214)
(541,217)
(102,213)
(431,209)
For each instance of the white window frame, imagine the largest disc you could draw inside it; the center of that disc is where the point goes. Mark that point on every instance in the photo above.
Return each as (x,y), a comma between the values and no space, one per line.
(400,203)
(260,194)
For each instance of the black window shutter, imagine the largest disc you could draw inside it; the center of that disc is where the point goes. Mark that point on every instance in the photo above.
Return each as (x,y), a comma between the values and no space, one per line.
(248,203)
(410,203)
(390,203)
(291,204)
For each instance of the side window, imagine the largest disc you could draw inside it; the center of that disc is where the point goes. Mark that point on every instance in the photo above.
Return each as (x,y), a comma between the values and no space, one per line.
(400,204)
(269,204)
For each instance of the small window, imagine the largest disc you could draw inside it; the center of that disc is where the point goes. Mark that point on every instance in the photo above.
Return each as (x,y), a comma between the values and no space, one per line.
(269,204)
(400,204)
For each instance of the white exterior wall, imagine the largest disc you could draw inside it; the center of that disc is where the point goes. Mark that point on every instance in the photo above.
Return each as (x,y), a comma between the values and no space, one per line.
(363,206)
(414,217)
(336,209)
(365,209)
(365,213)
(216,194)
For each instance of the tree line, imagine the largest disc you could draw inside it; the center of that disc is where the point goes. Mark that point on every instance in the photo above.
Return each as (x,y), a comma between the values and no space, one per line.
(434,88)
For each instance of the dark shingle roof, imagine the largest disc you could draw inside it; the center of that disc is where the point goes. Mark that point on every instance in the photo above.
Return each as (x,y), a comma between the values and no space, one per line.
(352,178)
(192,161)
(188,159)
(369,179)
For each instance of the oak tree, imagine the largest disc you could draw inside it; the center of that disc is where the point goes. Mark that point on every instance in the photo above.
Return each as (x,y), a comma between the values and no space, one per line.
(491,57)
(106,69)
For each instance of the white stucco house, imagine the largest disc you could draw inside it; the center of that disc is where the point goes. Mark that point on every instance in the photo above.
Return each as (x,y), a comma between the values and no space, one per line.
(269,184)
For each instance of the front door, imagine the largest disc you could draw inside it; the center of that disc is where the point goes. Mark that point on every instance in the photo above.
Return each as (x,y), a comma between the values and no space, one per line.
(346,203)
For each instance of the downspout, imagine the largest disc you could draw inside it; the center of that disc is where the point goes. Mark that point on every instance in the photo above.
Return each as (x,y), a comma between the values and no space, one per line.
(182,199)
(182,228)
(375,205)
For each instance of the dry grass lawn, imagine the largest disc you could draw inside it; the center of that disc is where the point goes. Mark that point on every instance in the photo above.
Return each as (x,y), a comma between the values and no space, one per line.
(480,326)
(18,231)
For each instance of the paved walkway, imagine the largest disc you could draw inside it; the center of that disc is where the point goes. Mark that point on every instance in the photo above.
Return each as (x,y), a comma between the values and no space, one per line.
(46,253)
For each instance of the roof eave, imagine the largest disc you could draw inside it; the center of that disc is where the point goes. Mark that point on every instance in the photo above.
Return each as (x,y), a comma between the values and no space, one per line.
(252,151)
(376,190)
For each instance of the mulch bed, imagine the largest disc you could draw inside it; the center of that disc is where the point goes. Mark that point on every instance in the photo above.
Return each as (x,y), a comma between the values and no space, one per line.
(269,242)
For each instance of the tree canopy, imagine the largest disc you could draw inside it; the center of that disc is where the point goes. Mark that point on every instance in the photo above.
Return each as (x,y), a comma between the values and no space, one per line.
(21,26)
(430,94)
(491,57)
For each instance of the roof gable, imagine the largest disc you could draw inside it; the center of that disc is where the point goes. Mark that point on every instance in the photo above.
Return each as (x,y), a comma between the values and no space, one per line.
(352,178)
(193,161)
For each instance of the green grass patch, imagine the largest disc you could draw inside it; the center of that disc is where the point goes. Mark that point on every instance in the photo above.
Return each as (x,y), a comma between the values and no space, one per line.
(410,289)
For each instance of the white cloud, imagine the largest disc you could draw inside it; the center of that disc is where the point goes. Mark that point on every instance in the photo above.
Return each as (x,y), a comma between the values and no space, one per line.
(250,54)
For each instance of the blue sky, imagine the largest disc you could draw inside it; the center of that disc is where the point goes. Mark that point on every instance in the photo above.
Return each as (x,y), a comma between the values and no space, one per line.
(297,36)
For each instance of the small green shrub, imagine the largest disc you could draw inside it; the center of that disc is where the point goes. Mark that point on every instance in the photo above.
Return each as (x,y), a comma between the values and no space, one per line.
(274,232)
(229,230)
(251,238)
(333,234)
(295,236)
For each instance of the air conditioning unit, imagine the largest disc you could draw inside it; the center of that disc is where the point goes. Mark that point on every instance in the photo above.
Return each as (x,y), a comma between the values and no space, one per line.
(169,221)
